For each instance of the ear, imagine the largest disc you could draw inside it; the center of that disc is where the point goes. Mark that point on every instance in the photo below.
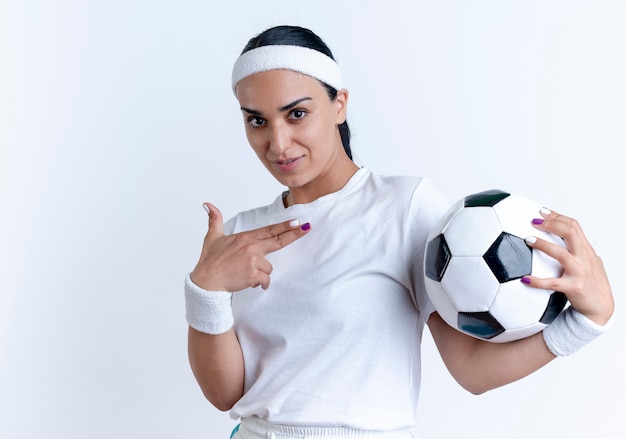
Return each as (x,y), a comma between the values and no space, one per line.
(341,104)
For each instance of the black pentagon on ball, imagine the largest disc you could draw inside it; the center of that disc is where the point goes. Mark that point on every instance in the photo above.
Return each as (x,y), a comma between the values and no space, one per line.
(479,324)
(556,303)
(509,258)
(485,198)
(437,258)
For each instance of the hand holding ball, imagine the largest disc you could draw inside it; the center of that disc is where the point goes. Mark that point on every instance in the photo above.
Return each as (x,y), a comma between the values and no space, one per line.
(475,257)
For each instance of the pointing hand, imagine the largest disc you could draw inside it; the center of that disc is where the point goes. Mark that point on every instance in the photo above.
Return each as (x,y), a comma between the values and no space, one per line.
(237,261)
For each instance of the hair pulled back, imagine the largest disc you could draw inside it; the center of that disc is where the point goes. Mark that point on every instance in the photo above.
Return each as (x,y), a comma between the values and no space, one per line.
(300,36)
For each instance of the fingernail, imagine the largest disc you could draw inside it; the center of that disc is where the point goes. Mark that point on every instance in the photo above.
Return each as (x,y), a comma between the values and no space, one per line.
(545,211)
(294,223)
(530,240)
(206,208)
(537,221)
(525,280)
(305,226)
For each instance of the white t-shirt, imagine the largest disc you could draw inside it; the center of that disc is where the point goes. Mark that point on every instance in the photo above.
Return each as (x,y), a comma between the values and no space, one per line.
(335,339)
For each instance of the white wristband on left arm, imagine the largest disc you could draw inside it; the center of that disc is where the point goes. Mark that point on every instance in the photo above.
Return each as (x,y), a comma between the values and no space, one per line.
(572,330)
(208,311)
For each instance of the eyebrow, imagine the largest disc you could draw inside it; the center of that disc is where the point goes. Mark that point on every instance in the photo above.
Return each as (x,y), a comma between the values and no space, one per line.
(281,109)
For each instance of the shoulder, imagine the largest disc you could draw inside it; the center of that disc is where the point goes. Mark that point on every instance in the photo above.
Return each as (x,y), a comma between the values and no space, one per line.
(396,184)
(412,187)
(415,198)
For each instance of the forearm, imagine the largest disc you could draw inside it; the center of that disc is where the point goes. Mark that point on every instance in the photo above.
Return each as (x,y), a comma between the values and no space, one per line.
(491,365)
(215,354)
(479,366)
(217,364)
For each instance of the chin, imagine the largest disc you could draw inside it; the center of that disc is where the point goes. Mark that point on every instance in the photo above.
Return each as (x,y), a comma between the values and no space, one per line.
(291,181)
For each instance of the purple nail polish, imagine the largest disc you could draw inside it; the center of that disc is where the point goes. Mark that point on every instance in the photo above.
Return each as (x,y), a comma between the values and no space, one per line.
(525,280)
(305,226)
(538,221)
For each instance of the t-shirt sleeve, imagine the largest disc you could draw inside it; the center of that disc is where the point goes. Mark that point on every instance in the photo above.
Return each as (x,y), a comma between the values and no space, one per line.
(427,206)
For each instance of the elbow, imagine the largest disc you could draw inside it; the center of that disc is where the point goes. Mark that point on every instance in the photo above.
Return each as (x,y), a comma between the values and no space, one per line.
(222,404)
(475,390)
(223,401)
(475,386)
(222,398)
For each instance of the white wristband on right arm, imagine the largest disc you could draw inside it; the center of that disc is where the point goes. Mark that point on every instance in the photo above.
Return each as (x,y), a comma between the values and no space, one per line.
(208,311)
(570,331)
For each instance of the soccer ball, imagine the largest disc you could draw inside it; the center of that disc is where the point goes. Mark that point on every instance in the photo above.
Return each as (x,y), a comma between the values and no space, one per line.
(474,259)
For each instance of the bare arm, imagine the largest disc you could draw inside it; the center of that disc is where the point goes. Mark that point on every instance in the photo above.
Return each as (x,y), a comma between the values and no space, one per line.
(217,364)
(479,366)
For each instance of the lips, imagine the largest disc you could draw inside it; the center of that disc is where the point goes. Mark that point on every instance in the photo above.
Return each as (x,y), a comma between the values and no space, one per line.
(287,165)
(285,162)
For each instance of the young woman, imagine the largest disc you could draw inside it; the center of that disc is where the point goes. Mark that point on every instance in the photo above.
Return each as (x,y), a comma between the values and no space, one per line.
(306,315)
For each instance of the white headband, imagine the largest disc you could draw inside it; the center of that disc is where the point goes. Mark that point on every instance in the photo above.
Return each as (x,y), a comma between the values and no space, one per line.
(298,59)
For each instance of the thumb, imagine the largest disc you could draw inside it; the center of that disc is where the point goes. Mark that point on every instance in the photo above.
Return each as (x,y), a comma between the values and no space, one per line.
(216,222)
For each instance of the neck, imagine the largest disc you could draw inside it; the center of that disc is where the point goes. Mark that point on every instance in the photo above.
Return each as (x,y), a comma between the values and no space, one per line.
(333,181)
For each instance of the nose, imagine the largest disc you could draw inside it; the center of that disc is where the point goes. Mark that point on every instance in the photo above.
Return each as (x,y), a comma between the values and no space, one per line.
(279,139)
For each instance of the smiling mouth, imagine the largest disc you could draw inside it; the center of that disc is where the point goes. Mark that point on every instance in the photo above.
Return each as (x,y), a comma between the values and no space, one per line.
(285,162)
(288,165)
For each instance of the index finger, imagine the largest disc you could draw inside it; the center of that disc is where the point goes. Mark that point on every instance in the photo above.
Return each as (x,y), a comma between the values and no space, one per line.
(567,228)
(276,236)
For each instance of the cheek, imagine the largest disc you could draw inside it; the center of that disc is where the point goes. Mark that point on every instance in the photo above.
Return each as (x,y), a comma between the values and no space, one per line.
(320,133)
(255,142)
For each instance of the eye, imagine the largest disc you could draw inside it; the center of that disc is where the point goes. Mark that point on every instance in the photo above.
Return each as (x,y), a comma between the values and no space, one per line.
(297,114)
(255,121)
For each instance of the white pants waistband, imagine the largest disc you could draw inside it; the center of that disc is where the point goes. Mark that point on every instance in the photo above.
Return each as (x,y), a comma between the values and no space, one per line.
(255,428)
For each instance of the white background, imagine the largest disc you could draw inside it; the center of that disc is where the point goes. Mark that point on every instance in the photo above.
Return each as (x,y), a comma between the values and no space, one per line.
(117,122)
